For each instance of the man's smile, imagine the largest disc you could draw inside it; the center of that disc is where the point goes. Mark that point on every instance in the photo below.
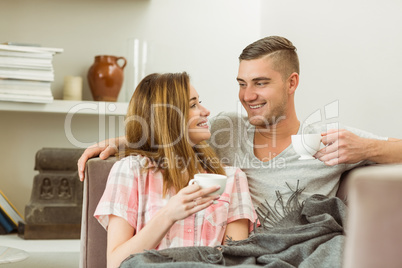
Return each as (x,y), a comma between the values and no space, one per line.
(256,106)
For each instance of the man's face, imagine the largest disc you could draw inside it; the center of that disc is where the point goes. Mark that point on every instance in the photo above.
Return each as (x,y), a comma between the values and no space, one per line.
(262,92)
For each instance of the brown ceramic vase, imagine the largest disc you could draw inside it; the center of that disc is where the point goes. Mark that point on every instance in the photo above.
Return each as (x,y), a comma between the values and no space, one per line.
(105,77)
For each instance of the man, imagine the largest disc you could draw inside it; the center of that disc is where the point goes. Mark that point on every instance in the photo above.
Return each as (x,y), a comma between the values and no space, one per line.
(261,144)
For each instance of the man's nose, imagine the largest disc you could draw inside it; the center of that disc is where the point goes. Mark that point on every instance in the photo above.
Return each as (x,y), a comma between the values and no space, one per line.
(249,94)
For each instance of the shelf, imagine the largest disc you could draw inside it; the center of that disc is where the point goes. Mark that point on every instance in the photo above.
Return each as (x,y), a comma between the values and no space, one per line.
(50,245)
(67,107)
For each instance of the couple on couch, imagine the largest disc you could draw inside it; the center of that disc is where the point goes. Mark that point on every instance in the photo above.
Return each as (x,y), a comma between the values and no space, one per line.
(148,203)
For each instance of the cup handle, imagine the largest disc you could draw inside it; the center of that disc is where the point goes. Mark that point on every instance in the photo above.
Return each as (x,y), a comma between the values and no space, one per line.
(192,181)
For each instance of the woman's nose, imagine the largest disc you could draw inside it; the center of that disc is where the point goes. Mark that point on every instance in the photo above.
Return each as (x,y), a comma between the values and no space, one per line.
(204,111)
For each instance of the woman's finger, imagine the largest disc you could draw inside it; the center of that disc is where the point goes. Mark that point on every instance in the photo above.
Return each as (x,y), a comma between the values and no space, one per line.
(203,192)
(198,207)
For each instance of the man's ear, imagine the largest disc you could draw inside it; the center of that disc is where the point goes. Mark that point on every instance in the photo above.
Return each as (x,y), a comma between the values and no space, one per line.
(293,81)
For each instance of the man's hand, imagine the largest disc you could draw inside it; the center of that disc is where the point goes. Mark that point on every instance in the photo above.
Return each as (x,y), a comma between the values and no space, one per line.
(103,149)
(343,147)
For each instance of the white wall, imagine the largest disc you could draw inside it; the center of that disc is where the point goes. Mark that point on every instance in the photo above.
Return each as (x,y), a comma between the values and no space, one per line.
(349,51)
(203,37)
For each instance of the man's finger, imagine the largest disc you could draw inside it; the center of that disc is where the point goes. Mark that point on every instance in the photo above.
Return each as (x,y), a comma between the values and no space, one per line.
(330,138)
(328,157)
(332,162)
(81,167)
(109,151)
(331,148)
(88,153)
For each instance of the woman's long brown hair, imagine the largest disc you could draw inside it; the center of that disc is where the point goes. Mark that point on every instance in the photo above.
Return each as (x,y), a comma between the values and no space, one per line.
(156,127)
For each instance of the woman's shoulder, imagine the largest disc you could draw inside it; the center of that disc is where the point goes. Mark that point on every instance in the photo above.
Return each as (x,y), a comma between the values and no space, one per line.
(131,169)
(236,180)
(134,161)
(130,164)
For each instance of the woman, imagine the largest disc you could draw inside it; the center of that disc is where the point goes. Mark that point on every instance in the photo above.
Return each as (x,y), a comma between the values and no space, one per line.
(147,203)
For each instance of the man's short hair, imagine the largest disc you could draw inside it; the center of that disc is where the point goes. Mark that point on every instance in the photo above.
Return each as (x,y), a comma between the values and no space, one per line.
(279,49)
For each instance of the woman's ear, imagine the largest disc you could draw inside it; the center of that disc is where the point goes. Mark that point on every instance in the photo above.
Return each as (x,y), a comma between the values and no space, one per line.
(293,81)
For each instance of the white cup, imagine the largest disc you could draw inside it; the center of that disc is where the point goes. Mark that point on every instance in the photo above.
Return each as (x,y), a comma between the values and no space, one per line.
(206,180)
(306,145)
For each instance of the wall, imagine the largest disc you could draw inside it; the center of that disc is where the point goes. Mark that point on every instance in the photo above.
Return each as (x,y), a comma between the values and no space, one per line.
(203,37)
(349,52)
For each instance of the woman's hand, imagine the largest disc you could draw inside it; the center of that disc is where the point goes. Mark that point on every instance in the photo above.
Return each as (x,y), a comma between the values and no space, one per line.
(188,201)
(122,239)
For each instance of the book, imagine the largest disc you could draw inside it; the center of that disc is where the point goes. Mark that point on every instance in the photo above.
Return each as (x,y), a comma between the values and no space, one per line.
(20,44)
(33,49)
(9,210)
(15,83)
(25,86)
(26,92)
(15,90)
(6,224)
(19,62)
(2,229)
(26,98)
(15,73)
(39,55)
(26,72)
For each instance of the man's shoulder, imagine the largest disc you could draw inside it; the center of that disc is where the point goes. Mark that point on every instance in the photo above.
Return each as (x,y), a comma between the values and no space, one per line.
(228,119)
(322,127)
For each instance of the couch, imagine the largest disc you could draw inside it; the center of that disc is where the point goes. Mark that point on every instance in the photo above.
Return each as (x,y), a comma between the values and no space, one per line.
(362,187)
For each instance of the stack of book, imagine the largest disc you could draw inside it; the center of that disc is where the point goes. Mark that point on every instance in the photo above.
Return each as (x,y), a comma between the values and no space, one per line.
(9,216)
(26,73)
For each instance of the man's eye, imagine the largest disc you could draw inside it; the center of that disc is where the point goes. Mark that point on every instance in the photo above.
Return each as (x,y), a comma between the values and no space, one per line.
(242,85)
(261,84)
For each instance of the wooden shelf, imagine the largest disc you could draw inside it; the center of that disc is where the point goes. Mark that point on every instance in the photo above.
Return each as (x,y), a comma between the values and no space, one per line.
(67,107)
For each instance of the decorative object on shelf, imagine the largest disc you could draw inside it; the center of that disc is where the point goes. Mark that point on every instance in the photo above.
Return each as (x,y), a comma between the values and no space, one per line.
(105,77)
(139,55)
(72,88)
(54,210)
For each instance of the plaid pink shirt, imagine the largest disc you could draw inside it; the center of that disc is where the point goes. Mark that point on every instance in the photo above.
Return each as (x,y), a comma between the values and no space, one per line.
(136,197)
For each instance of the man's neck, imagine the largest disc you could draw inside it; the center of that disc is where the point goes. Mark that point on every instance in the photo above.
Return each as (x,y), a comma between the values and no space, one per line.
(279,131)
(272,140)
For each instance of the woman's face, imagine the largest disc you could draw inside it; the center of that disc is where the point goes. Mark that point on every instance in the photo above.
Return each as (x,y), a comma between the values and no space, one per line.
(198,130)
